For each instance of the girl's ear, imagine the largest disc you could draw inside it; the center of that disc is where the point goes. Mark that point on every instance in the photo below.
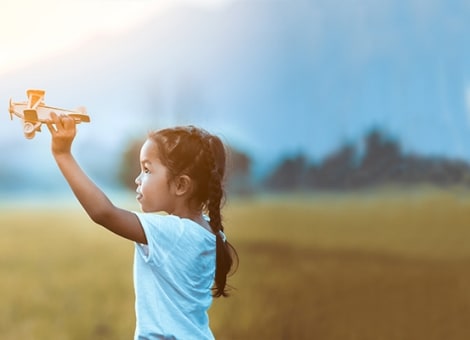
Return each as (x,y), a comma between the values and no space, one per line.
(183,185)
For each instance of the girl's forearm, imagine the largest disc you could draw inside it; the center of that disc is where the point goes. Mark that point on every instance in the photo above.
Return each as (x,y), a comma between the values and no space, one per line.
(94,201)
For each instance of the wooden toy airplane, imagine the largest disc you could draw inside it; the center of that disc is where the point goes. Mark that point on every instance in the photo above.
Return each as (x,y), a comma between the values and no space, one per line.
(34,112)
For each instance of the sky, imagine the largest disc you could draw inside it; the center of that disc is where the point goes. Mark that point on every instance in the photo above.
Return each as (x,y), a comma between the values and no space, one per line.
(31,30)
(283,76)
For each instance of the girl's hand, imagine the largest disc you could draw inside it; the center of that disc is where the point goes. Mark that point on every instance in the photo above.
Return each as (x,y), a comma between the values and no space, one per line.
(63,132)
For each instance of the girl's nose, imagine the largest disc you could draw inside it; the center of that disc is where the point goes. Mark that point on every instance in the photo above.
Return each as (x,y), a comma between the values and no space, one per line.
(137,179)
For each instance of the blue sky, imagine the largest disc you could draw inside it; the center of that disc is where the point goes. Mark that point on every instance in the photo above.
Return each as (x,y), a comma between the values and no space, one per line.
(274,77)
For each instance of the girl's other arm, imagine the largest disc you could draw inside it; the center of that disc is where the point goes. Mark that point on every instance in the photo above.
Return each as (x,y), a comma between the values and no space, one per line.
(97,205)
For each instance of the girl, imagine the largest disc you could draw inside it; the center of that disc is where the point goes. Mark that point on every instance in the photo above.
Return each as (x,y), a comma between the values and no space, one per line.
(179,257)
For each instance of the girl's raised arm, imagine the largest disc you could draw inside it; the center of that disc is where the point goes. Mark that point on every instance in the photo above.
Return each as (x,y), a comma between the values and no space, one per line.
(97,205)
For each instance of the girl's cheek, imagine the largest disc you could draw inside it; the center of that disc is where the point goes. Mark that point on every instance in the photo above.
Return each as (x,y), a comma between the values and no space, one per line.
(143,180)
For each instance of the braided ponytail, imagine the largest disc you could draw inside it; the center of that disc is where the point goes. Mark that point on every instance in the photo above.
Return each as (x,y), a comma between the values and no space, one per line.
(224,250)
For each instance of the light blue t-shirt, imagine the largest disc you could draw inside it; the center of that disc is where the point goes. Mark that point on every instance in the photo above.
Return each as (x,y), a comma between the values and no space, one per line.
(173,277)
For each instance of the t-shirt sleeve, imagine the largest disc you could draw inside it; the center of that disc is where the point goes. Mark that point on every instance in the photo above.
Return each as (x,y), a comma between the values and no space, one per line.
(162,233)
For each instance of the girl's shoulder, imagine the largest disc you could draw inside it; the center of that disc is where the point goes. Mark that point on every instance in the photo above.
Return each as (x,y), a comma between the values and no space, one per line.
(160,220)
(173,224)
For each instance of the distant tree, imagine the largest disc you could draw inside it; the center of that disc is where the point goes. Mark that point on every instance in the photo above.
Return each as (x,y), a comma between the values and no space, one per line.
(289,174)
(335,171)
(130,165)
(437,171)
(382,160)
(239,178)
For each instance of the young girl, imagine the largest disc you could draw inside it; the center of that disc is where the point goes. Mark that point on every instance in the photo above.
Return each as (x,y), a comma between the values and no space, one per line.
(181,259)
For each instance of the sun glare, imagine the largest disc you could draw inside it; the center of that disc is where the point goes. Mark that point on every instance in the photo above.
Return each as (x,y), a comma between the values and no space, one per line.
(32,29)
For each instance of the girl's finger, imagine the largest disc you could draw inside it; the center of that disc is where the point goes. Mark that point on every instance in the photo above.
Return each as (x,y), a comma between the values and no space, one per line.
(68,122)
(51,127)
(53,116)
(54,124)
(58,121)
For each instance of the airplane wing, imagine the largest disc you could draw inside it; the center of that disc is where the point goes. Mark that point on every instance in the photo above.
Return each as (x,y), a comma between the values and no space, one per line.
(35,97)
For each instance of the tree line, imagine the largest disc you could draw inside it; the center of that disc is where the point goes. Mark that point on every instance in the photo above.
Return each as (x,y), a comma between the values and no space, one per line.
(382,162)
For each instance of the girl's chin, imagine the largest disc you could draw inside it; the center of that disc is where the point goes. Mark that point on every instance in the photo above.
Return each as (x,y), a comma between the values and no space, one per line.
(146,209)
(142,207)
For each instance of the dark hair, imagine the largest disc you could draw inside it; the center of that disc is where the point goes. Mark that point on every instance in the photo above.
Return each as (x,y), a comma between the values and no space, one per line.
(191,151)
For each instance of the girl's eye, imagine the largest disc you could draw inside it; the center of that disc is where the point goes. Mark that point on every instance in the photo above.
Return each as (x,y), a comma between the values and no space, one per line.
(146,171)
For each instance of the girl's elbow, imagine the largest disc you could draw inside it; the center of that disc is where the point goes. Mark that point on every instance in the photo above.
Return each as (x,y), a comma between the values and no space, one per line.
(100,216)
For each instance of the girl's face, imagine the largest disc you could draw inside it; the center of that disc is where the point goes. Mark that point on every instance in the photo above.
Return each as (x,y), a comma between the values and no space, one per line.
(154,191)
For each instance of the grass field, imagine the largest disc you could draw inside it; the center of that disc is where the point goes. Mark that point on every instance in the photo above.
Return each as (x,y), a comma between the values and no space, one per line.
(389,265)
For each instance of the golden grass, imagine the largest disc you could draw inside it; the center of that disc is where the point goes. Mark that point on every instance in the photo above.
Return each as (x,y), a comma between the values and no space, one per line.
(357,266)
(63,278)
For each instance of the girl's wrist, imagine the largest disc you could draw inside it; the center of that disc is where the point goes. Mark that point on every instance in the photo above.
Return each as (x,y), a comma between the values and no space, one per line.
(60,154)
